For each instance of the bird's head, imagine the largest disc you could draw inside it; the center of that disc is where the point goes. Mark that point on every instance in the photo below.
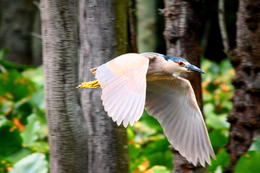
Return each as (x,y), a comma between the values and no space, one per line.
(182,65)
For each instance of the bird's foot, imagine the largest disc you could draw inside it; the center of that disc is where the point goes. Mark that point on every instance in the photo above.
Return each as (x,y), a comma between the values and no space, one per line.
(91,84)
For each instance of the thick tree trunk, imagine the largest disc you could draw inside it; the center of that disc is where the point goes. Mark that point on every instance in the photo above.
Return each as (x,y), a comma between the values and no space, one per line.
(182,33)
(67,138)
(245,117)
(103,34)
(20,30)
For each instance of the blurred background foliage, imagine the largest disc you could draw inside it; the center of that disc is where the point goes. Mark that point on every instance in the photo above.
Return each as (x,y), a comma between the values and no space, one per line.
(23,129)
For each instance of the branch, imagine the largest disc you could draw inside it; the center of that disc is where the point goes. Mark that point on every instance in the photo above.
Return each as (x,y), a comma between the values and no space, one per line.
(222,24)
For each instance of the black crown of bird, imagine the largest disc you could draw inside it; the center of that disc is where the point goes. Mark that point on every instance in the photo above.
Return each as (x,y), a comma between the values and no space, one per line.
(133,82)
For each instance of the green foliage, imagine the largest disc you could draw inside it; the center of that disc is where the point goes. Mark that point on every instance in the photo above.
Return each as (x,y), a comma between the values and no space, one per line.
(148,148)
(34,163)
(222,160)
(11,139)
(23,129)
(248,163)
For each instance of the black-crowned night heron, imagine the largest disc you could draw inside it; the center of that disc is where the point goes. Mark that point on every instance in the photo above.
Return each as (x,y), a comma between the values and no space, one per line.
(132,82)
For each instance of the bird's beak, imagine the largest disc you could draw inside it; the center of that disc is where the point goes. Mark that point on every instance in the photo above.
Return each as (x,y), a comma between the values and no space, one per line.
(191,67)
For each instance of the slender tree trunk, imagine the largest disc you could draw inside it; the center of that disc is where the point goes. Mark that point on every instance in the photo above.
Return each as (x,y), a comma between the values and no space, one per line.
(149,26)
(103,34)
(245,117)
(67,137)
(132,27)
(183,33)
(20,30)
(146,19)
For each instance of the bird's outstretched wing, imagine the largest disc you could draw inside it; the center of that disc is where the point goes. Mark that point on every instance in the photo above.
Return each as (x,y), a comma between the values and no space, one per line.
(173,103)
(123,83)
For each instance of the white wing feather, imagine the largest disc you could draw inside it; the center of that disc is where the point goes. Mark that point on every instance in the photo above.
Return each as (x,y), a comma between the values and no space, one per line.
(123,83)
(174,104)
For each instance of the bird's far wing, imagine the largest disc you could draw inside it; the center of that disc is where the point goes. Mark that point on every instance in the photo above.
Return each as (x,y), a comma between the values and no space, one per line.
(173,103)
(123,83)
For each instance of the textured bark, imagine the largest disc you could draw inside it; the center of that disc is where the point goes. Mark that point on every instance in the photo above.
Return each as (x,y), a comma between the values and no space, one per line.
(183,33)
(245,117)
(19,23)
(103,34)
(67,138)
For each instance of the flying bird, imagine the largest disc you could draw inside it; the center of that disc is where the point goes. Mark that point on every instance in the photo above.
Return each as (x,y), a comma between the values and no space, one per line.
(132,82)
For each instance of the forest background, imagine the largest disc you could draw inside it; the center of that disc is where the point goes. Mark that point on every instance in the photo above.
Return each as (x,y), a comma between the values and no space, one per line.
(47,47)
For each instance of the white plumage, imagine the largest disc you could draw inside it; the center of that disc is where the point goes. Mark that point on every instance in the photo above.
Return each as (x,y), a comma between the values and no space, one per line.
(132,82)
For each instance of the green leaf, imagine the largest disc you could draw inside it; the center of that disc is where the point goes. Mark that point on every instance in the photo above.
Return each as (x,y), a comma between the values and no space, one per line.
(6,107)
(225,65)
(22,110)
(11,140)
(255,145)
(30,134)
(159,169)
(130,133)
(135,156)
(134,151)
(37,99)
(213,120)
(36,76)
(3,121)
(15,157)
(151,122)
(34,163)
(11,64)
(161,158)
(13,82)
(218,139)
(159,149)
(36,129)
(157,146)
(248,163)
(222,160)
(40,146)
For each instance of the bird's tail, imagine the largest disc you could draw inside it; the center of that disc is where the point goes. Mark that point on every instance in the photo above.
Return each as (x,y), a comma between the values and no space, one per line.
(90,84)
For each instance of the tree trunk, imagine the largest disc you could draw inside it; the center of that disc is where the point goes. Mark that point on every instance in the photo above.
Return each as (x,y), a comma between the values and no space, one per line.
(103,33)
(146,19)
(150,26)
(245,117)
(67,138)
(20,30)
(183,33)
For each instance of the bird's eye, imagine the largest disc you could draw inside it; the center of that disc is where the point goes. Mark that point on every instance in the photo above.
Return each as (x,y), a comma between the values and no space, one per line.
(180,63)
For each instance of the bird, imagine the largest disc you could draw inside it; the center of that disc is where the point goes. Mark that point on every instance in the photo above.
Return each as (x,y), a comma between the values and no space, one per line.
(133,82)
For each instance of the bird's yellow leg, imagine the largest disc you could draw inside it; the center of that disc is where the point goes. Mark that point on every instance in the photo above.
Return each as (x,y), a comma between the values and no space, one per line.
(90,84)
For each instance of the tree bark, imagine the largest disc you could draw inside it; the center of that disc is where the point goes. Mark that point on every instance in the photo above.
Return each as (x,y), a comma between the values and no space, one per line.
(20,30)
(183,30)
(103,34)
(245,117)
(67,137)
